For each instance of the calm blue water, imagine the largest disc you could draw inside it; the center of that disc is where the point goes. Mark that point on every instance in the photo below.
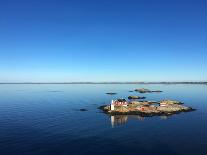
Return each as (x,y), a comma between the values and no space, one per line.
(45,119)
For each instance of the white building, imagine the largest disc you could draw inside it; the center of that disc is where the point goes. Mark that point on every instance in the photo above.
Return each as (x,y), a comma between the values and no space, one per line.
(112,105)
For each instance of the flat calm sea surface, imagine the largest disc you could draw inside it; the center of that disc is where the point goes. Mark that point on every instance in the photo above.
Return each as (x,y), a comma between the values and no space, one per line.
(45,119)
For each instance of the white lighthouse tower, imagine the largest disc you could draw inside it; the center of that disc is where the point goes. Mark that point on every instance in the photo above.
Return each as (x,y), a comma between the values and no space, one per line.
(112,105)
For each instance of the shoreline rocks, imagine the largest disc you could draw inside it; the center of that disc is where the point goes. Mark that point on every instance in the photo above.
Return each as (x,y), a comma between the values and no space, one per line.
(171,102)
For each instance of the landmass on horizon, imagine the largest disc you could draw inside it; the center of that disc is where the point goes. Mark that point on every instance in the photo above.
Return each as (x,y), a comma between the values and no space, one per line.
(184,82)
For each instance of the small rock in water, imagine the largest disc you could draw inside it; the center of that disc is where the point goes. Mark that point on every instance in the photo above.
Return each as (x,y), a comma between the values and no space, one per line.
(83,109)
(136,97)
(111,93)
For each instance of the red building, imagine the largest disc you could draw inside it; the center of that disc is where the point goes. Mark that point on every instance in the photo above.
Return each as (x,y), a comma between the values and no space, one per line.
(120,102)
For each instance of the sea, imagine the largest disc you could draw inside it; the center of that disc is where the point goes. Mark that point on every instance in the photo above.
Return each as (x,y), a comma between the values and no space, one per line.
(64,119)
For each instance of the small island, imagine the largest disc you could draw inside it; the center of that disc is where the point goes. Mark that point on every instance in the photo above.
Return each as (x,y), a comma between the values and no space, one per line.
(145,108)
(143,90)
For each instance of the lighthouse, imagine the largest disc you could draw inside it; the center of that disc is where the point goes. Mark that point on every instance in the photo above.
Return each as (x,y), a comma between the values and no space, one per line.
(112,105)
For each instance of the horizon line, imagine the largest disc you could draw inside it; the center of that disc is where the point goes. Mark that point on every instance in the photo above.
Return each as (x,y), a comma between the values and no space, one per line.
(124,82)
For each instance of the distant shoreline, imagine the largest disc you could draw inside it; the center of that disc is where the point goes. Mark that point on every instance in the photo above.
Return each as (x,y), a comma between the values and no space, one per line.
(103,83)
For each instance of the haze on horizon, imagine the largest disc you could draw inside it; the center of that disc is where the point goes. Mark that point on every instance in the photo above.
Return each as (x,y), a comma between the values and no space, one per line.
(103,40)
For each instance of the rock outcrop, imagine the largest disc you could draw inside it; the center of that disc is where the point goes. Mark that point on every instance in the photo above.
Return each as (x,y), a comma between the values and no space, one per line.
(143,90)
(136,97)
(171,102)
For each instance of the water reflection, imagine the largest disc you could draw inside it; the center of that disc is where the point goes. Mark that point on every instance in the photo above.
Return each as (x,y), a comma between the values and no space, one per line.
(118,120)
(122,119)
(163,117)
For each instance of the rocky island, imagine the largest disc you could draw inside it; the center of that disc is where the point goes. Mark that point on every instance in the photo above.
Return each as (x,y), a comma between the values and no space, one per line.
(145,108)
(143,90)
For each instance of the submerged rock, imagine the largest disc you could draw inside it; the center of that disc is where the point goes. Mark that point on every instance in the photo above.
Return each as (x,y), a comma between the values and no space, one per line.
(83,109)
(111,93)
(136,97)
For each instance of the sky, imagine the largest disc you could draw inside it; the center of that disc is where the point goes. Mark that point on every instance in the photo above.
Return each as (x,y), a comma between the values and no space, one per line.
(103,40)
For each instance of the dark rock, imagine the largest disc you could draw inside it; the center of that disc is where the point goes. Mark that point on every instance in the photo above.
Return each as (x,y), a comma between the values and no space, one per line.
(136,97)
(121,100)
(156,91)
(111,93)
(83,109)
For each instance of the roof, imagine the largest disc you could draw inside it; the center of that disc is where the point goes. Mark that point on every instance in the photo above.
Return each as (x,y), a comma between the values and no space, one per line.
(121,100)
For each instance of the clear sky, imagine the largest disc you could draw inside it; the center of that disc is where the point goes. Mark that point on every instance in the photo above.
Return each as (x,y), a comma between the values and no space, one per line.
(103,40)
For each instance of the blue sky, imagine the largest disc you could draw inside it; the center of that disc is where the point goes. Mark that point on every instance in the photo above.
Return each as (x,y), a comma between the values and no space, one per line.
(103,40)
